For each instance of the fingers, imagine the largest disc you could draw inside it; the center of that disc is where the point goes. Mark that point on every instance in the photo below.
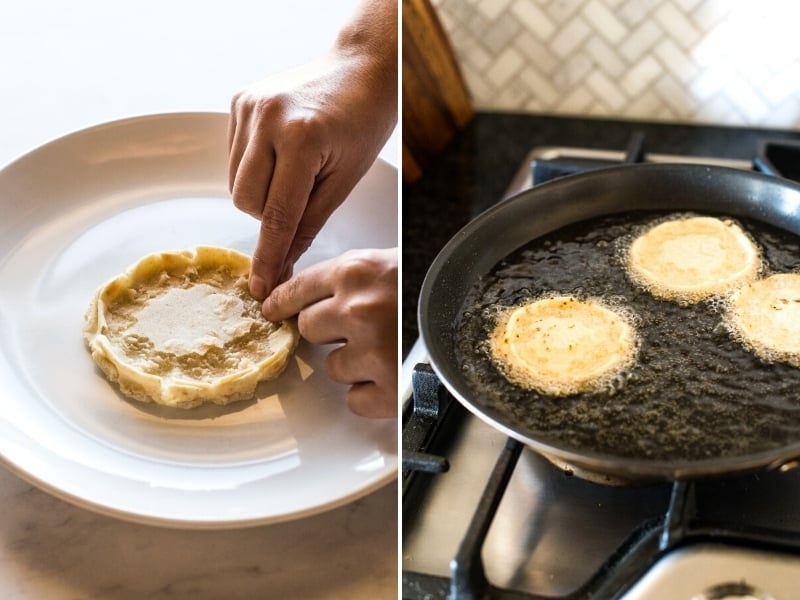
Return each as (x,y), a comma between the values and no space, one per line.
(350,300)
(318,324)
(373,392)
(274,160)
(328,193)
(289,188)
(243,135)
(252,178)
(307,287)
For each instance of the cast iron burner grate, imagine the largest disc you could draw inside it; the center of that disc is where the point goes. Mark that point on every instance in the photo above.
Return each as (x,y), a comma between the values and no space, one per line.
(432,411)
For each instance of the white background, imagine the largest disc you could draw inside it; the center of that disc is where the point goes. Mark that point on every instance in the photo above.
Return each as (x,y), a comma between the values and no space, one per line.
(65,66)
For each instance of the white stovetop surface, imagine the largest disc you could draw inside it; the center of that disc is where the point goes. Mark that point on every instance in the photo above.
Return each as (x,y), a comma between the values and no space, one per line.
(67,66)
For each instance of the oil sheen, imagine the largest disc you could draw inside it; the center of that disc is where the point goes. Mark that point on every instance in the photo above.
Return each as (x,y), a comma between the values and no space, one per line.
(694,392)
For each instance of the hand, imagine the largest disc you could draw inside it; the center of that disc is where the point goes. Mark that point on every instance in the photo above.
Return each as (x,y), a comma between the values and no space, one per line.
(351,300)
(299,142)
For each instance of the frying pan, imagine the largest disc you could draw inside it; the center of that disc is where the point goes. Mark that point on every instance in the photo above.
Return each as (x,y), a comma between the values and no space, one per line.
(496,233)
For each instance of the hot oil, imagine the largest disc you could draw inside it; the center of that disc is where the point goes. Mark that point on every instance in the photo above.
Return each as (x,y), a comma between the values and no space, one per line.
(693,392)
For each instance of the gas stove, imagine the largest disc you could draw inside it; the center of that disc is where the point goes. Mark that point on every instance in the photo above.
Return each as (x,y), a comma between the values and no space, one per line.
(485,517)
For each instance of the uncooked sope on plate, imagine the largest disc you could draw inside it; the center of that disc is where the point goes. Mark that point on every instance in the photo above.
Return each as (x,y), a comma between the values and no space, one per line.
(180,329)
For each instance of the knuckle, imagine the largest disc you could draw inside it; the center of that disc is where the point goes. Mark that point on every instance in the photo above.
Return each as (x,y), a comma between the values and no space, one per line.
(245,103)
(276,219)
(272,108)
(259,105)
(303,135)
(359,311)
(236,101)
(354,267)
(303,129)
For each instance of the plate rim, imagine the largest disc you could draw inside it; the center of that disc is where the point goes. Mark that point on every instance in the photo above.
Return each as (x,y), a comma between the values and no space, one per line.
(368,486)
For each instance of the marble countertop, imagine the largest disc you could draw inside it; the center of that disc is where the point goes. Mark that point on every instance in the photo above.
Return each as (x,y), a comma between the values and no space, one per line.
(52,549)
(67,66)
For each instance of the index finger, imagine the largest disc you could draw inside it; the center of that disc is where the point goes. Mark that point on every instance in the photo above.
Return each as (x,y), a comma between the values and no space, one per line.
(307,287)
(287,196)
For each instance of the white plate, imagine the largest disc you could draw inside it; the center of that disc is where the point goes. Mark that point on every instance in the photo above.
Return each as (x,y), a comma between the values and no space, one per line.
(78,211)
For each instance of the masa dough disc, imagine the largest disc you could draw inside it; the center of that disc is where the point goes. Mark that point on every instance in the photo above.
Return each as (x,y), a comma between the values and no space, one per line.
(693,258)
(561,345)
(181,329)
(765,316)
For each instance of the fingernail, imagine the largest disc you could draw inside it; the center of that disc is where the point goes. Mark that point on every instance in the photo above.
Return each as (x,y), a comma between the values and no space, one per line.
(258,287)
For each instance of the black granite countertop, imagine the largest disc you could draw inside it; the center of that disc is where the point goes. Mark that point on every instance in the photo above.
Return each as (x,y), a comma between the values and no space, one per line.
(475,170)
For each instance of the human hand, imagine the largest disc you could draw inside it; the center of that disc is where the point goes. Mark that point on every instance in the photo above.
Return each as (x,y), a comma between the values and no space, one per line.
(298,144)
(351,300)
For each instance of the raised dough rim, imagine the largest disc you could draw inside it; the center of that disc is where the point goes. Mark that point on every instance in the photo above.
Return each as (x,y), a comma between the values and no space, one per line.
(122,374)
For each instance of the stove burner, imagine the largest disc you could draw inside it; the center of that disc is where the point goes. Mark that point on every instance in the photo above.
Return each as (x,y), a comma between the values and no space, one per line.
(681,525)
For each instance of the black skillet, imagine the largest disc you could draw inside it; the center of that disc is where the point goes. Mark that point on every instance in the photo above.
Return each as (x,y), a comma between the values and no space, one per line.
(493,235)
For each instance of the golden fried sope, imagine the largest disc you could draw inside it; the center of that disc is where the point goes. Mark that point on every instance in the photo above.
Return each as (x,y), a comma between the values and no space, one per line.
(765,317)
(560,345)
(180,329)
(691,258)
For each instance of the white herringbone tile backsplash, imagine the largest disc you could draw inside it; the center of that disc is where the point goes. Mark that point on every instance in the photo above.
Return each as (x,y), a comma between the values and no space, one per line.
(733,62)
